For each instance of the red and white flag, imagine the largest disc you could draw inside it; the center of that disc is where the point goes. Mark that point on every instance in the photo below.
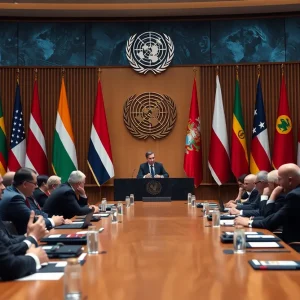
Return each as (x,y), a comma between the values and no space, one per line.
(36,156)
(218,161)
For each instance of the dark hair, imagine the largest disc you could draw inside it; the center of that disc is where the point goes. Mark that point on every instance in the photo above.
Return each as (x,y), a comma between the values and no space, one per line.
(149,153)
(23,174)
(42,179)
(242,178)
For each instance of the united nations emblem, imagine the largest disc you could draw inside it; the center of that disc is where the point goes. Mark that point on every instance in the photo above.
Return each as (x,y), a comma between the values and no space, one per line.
(283,124)
(150,51)
(149,114)
(153,187)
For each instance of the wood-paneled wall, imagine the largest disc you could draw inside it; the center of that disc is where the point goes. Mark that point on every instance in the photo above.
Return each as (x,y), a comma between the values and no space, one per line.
(120,83)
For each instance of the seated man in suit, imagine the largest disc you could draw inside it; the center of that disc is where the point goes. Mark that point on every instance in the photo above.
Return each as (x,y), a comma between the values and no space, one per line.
(152,169)
(69,199)
(41,192)
(19,244)
(249,184)
(52,183)
(15,206)
(8,178)
(242,193)
(287,216)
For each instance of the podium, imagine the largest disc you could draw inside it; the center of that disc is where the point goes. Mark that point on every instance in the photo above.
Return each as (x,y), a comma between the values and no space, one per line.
(172,188)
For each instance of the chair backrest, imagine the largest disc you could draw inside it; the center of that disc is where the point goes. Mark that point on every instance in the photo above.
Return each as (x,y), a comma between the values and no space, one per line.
(156,199)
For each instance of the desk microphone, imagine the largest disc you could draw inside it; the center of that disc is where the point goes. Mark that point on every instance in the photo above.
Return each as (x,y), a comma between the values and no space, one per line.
(133,173)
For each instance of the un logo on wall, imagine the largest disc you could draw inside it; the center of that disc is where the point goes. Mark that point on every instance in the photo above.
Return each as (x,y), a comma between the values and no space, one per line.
(149,114)
(150,51)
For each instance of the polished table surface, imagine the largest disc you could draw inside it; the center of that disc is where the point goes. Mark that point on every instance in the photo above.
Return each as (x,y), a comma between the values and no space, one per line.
(165,251)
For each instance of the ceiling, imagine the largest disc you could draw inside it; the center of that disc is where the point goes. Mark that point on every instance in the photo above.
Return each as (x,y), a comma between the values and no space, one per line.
(141,8)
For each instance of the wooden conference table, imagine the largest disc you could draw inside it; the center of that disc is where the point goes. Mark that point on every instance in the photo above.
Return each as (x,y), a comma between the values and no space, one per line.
(163,251)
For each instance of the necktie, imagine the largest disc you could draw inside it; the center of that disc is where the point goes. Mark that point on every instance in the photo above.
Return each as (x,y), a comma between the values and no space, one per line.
(27,203)
(152,171)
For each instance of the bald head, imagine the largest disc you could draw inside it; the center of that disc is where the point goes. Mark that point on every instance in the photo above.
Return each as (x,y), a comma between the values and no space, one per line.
(249,182)
(289,176)
(8,178)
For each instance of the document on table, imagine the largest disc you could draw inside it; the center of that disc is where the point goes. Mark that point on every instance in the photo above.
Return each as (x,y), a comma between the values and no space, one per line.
(42,276)
(227,222)
(264,245)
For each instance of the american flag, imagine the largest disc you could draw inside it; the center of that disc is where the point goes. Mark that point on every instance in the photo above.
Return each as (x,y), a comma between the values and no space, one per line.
(16,156)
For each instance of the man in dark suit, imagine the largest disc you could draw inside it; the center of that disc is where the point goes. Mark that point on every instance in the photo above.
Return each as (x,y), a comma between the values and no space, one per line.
(152,169)
(41,192)
(289,215)
(69,199)
(15,206)
(13,266)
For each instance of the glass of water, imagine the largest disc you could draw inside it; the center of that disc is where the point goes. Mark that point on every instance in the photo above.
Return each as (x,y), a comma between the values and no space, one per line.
(120,208)
(216,217)
(127,201)
(131,196)
(189,198)
(206,208)
(92,240)
(239,240)
(114,215)
(193,201)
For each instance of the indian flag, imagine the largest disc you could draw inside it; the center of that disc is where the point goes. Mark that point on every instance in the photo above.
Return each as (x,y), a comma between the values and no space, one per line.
(64,159)
(239,156)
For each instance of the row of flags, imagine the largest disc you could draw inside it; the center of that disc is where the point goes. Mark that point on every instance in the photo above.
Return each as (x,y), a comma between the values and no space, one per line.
(31,152)
(221,161)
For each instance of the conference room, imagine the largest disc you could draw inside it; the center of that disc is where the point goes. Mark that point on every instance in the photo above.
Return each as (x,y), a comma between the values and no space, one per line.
(161,122)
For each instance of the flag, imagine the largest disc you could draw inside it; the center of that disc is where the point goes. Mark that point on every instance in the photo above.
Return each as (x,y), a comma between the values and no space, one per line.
(283,151)
(239,156)
(260,152)
(193,148)
(99,155)
(298,150)
(36,156)
(3,146)
(17,152)
(218,160)
(64,159)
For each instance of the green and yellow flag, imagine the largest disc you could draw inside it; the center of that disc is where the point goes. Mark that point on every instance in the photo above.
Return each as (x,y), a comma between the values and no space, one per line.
(3,145)
(239,156)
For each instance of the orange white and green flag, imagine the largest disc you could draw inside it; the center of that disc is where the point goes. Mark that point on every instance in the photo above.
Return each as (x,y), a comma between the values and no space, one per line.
(64,158)
(239,156)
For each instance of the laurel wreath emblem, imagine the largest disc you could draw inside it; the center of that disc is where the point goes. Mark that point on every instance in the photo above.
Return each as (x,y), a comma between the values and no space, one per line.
(142,133)
(140,69)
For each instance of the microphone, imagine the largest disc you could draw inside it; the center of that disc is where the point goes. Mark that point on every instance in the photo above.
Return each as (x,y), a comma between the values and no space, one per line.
(133,172)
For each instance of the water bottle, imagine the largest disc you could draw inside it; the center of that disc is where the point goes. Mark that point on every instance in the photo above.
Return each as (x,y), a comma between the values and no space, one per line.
(189,198)
(131,196)
(239,240)
(193,201)
(120,208)
(72,280)
(127,201)
(206,208)
(114,215)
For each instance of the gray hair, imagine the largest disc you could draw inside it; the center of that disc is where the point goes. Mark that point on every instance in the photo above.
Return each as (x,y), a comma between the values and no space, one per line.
(262,176)
(76,177)
(53,180)
(273,176)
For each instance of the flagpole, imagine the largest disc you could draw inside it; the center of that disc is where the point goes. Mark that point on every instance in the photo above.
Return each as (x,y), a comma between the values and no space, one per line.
(35,74)
(18,76)
(282,70)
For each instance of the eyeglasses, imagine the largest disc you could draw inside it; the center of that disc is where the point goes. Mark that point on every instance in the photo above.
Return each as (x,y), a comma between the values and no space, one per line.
(35,183)
(257,182)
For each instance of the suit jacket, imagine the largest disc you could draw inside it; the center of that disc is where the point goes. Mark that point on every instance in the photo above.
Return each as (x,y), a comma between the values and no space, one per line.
(272,208)
(253,199)
(14,243)
(63,202)
(158,170)
(40,197)
(13,208)
(287,216)
(14,267)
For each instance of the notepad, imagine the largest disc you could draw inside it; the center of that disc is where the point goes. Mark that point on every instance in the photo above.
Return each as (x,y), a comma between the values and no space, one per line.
(42,276)
(53,236)
(246,233)
(101,215)
(264,245)
(260,236)
(226,222)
